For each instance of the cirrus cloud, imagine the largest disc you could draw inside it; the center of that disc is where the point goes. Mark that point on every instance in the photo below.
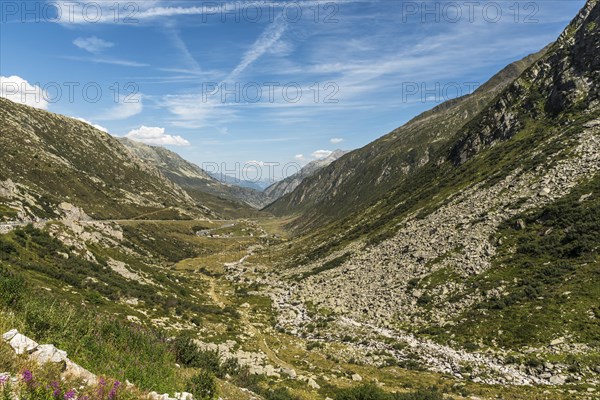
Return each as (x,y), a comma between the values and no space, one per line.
(92,44)
(156,136)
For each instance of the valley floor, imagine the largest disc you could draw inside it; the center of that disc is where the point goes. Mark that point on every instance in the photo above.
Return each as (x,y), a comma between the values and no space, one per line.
(225,270)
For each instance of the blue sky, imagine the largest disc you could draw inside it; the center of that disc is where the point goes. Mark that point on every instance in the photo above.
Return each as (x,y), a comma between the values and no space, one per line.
(220,83)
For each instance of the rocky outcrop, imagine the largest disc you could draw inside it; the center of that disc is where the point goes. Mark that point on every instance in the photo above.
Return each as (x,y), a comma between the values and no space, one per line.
(565,80)
(47,353)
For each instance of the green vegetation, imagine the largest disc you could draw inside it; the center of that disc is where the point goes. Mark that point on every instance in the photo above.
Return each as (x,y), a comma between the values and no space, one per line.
(372,392)
(331,264)
(107,345)
(551,272)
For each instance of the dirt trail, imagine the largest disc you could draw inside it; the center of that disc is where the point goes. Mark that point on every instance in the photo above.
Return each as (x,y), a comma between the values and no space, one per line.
(246,321)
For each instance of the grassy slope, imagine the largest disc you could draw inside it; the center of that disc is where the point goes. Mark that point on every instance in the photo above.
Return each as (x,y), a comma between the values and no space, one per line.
(68,160)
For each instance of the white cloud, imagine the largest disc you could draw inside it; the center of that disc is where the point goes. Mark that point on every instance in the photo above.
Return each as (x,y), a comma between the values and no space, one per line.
(336,140)
(299,157)
(99,127)
(20,91)
(156,136)
(322,154)
(128,107)
(110,61)
(257,163)
(92,44)
(267,39)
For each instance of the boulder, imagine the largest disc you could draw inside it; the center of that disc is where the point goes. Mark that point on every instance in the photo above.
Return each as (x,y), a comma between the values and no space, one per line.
(558,380)
(21,344)
(46,353)
(290,372)
(78,372)
(313,384)
(356,378)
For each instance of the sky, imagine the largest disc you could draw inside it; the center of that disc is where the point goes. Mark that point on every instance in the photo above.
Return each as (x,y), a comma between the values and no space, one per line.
(256,89)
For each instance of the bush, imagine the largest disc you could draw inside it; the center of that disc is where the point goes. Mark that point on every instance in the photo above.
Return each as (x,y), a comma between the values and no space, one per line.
(279,394)
(369,391)
(203,386)
(11,288)
(190,355)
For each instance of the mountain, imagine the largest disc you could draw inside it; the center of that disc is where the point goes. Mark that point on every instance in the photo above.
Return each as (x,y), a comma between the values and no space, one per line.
(472,270)
(199,184)
(486,247)
(48,159)
(287,185)
(363,175)
(259,185)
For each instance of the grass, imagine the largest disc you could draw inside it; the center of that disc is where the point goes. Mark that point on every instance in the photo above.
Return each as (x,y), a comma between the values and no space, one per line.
(107,345)
(551,274)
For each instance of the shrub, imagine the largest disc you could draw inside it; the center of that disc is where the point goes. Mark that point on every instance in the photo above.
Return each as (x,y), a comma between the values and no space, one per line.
(369,391)
(279,394)
(203,386)
(11,288)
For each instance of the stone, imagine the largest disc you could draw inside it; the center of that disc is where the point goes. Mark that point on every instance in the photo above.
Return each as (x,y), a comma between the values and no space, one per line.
(20,343)
(47,353)
(9,335)
(356,377)
(313,384)
(184,396)
(290,372)
(78,372)
(558,341)
(558,380)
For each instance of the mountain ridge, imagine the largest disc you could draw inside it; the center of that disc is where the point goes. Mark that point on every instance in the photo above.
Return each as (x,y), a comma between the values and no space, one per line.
(378,166)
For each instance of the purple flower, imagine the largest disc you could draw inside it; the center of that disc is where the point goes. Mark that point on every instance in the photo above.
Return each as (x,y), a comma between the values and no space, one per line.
(3,379)
(113,392)
(27,376)
(70,395)
(56,389)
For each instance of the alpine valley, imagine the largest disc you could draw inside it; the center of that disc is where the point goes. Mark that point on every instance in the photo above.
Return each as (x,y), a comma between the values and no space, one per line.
(456,257)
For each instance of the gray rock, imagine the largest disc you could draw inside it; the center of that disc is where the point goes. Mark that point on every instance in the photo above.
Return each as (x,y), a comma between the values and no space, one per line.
(20,343)
(47,353)
(558,380)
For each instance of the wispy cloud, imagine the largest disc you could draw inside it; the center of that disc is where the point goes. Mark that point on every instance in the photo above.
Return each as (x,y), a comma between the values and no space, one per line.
(267,39)
(104,60)
(188,58)
(92,44)
(128,106)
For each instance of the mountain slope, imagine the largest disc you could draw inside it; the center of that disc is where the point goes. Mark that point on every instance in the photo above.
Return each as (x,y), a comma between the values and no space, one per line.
(377,167)
(287,185)
(228,199)
(490,246)
(69,161)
